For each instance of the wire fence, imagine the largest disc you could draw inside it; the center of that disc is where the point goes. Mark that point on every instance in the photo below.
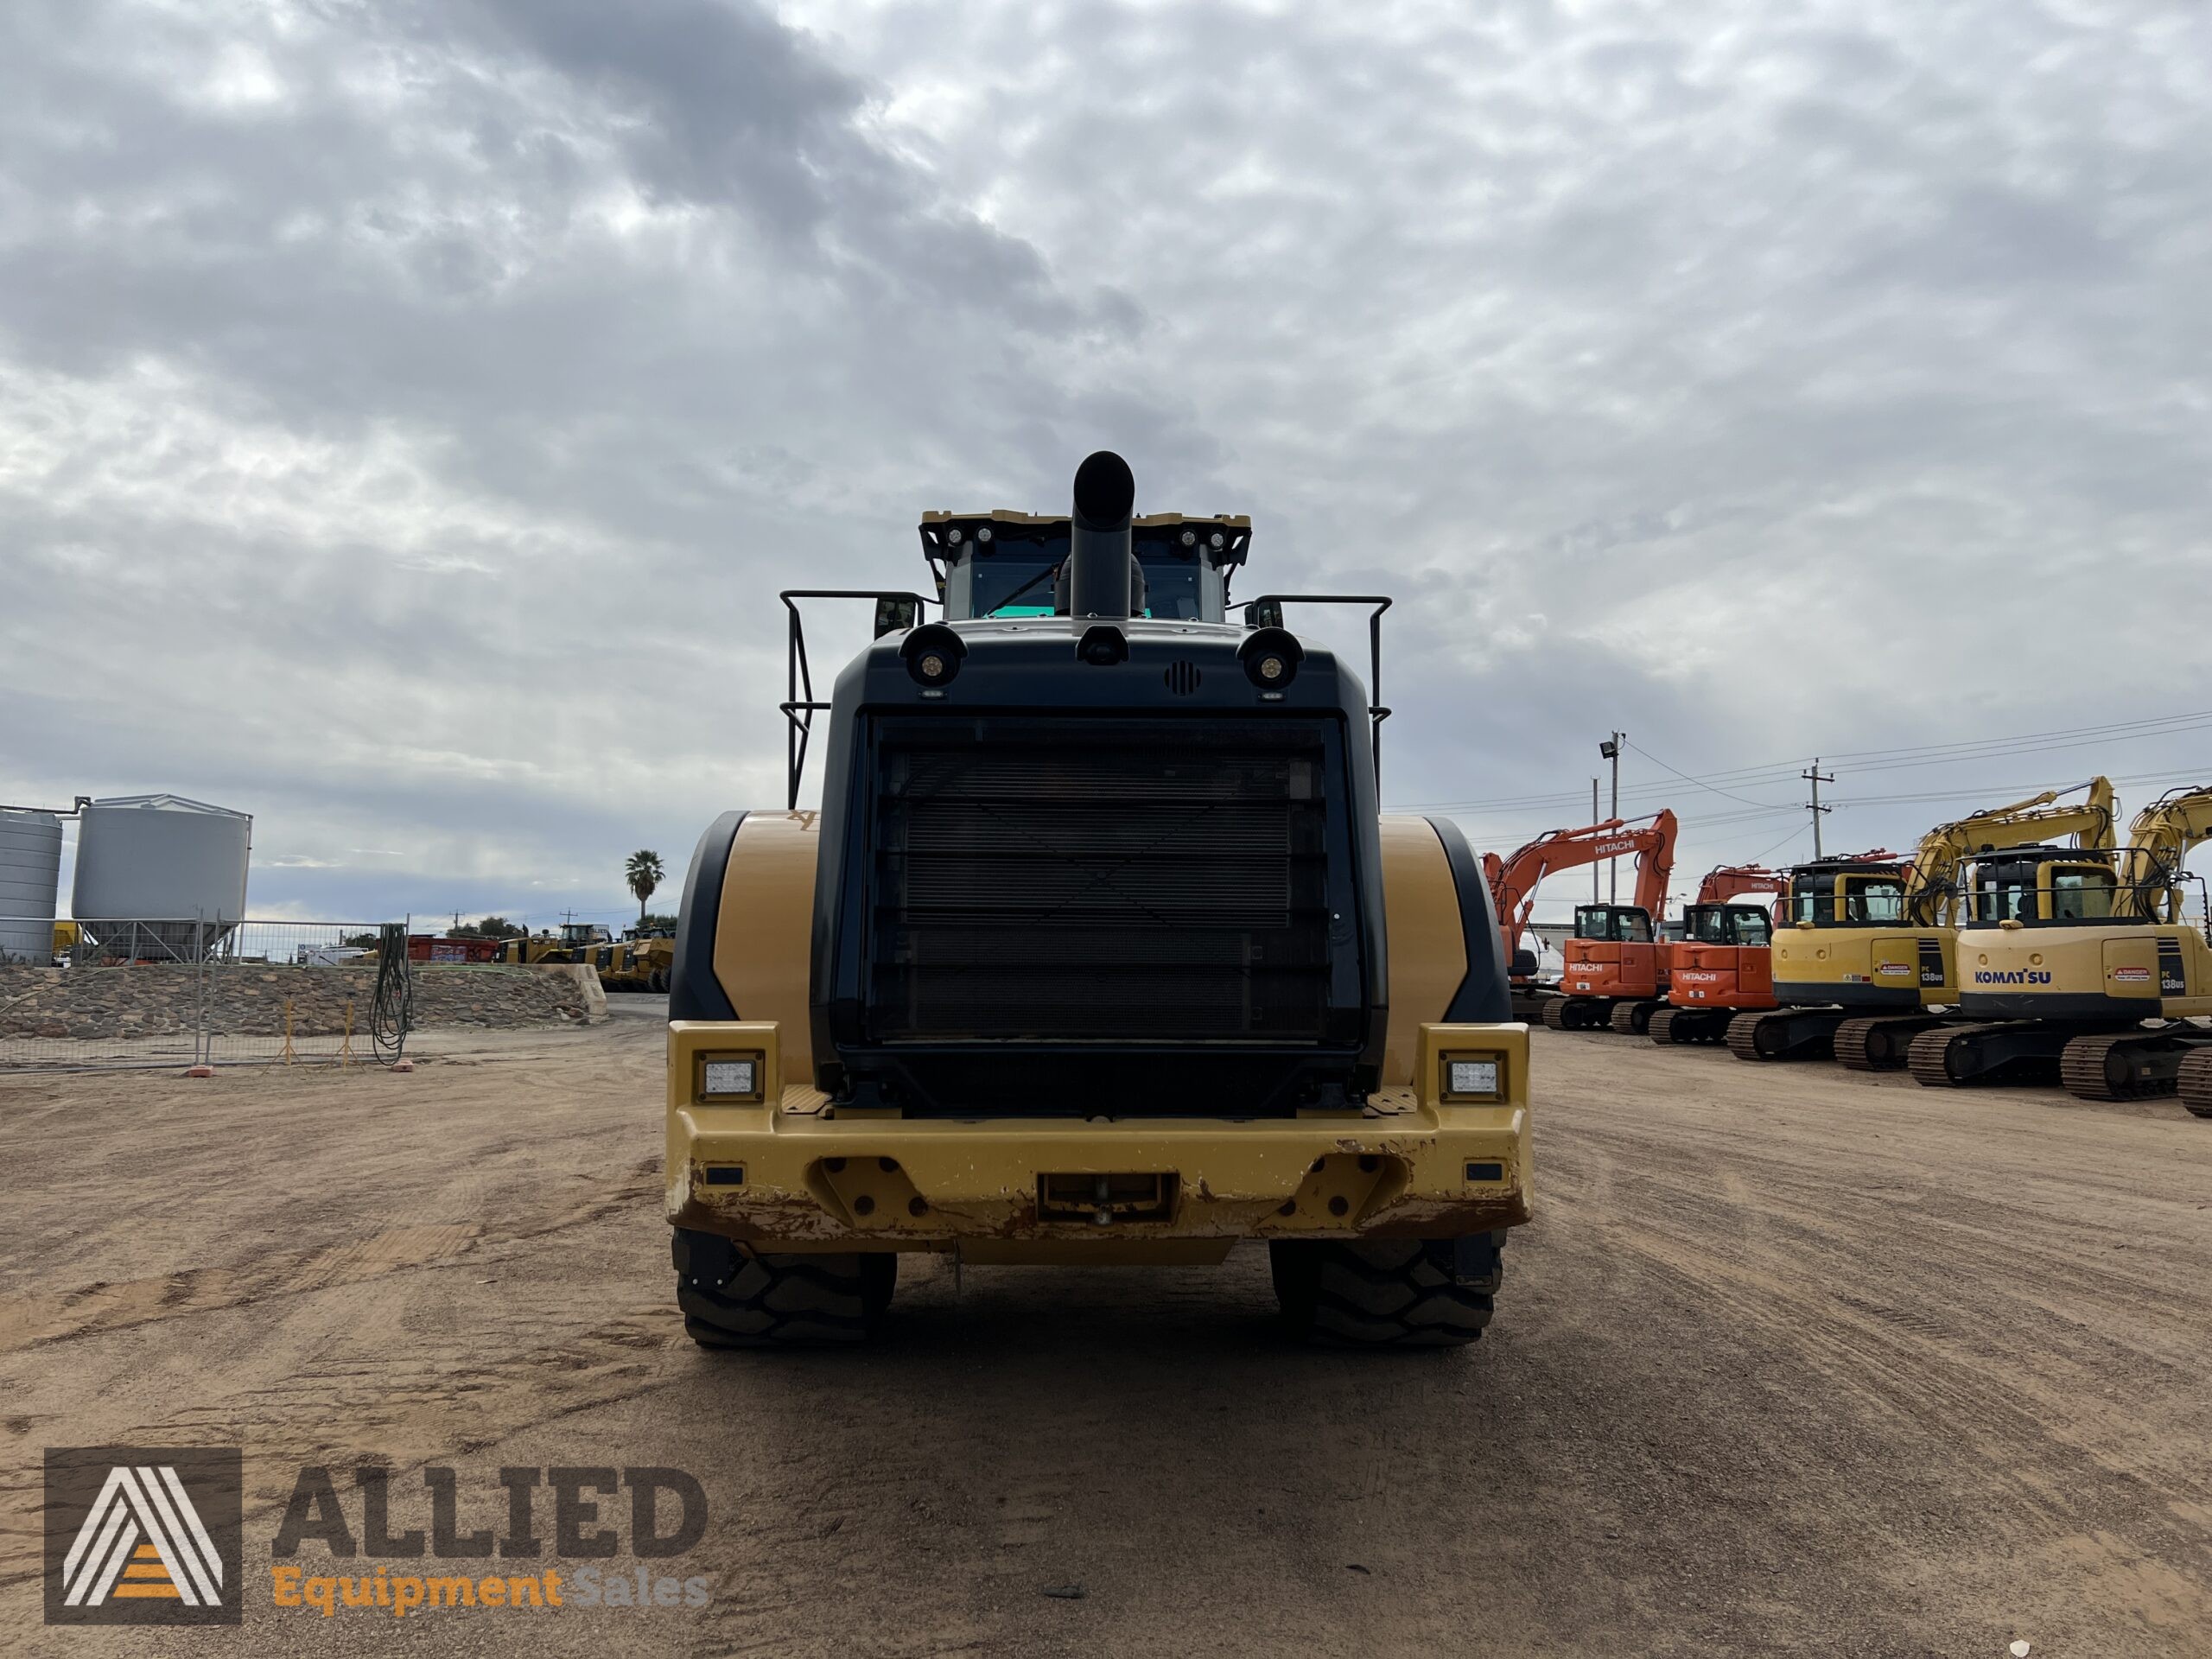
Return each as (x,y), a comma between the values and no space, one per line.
(150,991)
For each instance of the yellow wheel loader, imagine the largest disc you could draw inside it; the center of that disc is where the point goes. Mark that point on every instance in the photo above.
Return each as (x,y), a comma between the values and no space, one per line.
(1095,952)
(1865,958)
(576,942)
(2084,968)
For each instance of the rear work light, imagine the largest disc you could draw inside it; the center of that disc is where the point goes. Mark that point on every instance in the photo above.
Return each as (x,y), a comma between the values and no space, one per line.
(729,1078)
(1474,1076)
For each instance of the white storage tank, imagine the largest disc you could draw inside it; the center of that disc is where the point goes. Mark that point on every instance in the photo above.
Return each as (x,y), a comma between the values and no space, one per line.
(30,886)
(160,860)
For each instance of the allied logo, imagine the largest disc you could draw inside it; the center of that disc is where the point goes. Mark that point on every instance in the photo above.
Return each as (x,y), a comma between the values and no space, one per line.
(143,1536)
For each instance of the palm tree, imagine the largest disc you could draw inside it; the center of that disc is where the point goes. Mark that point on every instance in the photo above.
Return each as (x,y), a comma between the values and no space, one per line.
(642,873)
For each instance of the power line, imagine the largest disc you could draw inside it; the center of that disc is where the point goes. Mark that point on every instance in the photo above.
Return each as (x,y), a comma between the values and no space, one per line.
(1760,856)
(1699,782)
(1864,760)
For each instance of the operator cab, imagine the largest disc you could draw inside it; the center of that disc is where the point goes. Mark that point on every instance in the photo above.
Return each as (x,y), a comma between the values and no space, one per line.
(1008,564)
(2038,885)
(1847,893)
(1727,925)
(1619,924)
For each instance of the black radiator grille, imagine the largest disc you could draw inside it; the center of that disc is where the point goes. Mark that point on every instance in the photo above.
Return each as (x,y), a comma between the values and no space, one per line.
(1047,878)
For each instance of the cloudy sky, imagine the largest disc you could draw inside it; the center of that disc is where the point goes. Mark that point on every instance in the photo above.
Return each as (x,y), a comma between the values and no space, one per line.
(408,413)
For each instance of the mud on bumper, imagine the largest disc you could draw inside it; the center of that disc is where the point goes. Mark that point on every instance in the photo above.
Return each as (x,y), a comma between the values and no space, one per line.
(782,1171)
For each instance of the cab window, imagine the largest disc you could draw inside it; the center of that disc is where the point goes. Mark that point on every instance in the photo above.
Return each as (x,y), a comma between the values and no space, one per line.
(1812,899)
(1878,899)
(1750,927)
(2079,895)
(2002,901)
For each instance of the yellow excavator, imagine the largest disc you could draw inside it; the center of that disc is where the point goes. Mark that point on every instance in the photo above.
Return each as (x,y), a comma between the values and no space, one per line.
(1866,954)
(2069,959)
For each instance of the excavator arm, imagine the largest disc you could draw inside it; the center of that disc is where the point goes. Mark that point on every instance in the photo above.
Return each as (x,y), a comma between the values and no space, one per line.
(1932,885)
(1734,881)
(1514,879)
(2161,836)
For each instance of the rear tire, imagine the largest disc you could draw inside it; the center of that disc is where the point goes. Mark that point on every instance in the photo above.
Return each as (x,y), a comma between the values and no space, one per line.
(734,1296)
(1387,1293)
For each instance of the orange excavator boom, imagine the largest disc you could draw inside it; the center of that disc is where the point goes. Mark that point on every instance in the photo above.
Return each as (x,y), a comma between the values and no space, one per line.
(1514,879)
(1734,880)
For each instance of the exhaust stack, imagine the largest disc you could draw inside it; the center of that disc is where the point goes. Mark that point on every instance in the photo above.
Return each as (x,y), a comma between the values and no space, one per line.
(1101,545)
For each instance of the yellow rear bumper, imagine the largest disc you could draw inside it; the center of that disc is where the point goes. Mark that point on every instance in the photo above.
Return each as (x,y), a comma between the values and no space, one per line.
(787,1173)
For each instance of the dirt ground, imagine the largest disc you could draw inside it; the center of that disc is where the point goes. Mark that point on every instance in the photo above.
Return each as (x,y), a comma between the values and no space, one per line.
(1792,1362)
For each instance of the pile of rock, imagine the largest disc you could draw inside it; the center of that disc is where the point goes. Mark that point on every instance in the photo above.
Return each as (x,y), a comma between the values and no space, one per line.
(237,998)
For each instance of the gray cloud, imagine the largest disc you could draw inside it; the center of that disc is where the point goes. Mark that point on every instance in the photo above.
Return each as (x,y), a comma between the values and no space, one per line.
(407,414)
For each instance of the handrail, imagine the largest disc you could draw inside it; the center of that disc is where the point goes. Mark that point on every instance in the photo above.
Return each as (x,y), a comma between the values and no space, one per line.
(799,706)
(1377,713)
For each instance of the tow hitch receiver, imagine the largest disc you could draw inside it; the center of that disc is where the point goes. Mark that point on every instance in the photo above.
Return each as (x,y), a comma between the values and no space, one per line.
(1103,1199)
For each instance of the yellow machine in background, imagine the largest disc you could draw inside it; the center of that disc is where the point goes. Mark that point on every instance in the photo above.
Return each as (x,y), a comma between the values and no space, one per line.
(1870,954)
(2068,958)
(634,963)
(575,942)
(647,961)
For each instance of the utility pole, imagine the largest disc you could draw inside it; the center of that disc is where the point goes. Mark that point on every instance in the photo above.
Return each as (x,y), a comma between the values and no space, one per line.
(1611,749)
(1593,818)
(1816,778)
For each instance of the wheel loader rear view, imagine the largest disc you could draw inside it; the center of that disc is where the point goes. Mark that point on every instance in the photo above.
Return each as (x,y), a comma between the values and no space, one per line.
(1098,951)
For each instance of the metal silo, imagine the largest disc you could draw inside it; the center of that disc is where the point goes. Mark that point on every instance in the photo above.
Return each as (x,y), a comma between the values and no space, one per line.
(31,885)
(159,861)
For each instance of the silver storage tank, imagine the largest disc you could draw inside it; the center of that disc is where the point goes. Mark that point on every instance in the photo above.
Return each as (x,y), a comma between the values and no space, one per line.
(158,861)
(30,886)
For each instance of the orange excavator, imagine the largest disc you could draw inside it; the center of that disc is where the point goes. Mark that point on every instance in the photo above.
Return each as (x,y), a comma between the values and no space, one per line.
(1614,952)
(1724,963)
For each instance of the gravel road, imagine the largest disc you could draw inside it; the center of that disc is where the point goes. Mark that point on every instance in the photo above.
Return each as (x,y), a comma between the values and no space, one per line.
(1793,1361)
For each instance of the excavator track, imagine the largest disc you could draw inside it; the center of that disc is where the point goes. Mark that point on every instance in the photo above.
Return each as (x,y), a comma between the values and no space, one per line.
(1634,1019)
(1554,1012)
(1929,1057)
(1529,1005)
(1743,1039)
(2087,1068)
(1880,1042)
(2135,1065)
(1766,1034)
(2195,1083)
(1672,1026)
(1953,1055)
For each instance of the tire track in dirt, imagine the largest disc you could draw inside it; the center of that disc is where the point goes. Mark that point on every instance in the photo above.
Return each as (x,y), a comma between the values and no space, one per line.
(93,1309)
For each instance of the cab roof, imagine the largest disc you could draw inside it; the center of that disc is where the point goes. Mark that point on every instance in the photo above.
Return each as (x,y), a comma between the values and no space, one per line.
(948,535)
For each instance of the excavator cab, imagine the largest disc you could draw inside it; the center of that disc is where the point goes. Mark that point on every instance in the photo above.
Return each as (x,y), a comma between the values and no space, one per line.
(1619,924)
(1839,893)
(2039,885)
(1733,924)
(1615,973)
